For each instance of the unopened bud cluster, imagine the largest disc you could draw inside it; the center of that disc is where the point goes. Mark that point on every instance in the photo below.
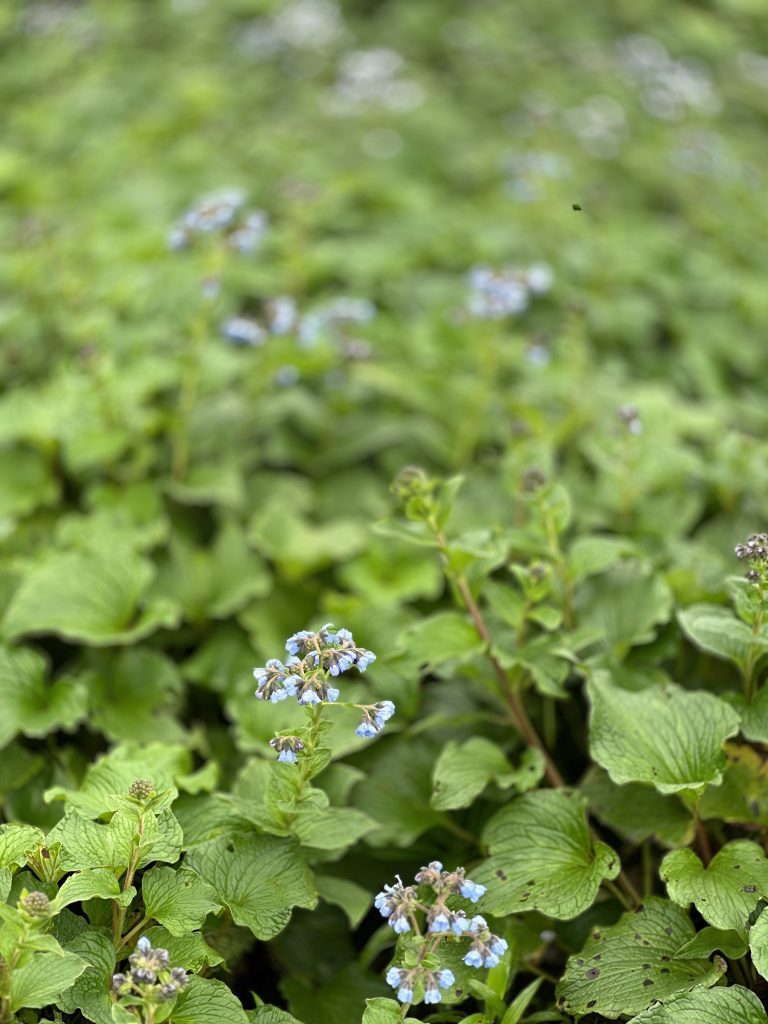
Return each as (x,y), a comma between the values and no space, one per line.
(35,905)
(630,417)
(406,906)
(150,977)
(142,790)
(315,660)
(754,551)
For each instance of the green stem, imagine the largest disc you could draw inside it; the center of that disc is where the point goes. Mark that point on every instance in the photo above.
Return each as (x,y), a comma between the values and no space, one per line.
(130,934)
(755,654)
(190,374)
(119,911)
(556,553)
(520,719)
(616,892)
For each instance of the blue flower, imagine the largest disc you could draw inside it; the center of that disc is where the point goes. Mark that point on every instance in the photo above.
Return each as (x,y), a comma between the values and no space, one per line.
(295,644)
(399,923)
(310,697)
(498,946)
(385,709)
(367,730)
(375,716)
(332,694)
(405,993)
(471,890)
(440,923)
(287,757)
(241,330)
(473,958)
(364,659)
(394,976)
(431,993)
(445,978)
(287,748)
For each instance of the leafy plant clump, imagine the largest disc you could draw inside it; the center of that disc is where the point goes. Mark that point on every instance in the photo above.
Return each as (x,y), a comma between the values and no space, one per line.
(434,330)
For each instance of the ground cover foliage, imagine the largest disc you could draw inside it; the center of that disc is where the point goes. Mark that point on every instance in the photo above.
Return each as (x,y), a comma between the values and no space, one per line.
(464,357)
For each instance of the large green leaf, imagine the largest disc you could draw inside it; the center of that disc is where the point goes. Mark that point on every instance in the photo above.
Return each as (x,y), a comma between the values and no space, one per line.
(205,1001)
(17,842)
(725,892)
(189,951)
(29,704)
(384,1011)
(90,992)
(44,977)
(212,582)
(96,598)
(758,944)
(178,900)
(543,857)
(463,770)
(742,796)
(260,878)
(638,812)
(664,735)
(447,636)
(134,695)
(733,1005)
(718,631)
(624,968)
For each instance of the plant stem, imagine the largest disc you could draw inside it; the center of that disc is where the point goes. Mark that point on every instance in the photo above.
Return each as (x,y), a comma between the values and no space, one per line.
(130,934)
(118,911)
(518,714)
(626,883)
(702,840)
(615,891)
(556,553)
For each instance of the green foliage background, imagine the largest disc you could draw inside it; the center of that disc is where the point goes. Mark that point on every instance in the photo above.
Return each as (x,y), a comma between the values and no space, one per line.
(136,595)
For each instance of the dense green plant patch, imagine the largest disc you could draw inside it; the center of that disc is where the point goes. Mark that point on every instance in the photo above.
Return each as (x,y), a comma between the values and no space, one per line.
(382,446)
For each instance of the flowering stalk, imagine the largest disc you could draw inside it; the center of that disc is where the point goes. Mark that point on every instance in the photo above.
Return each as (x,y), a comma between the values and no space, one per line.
(149,982)
(420,976)
(140,792)
(315,662)
(754,551)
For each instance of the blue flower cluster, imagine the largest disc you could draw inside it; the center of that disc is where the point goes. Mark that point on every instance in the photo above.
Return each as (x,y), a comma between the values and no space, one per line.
(279,316)
(222,213)
(315,658)
(400,904)
(497,294)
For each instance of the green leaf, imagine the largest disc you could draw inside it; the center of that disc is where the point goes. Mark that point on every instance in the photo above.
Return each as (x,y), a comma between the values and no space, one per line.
(664,735)
(638,812)
(88,844)
(90,992)
(178,900)
(758,944)
(188,951)
(718,631)
(112,774)
(588,556)
(521,1003)
(543,857)
(710,940)
(270,1015)
(754,717)
(86,885)
(134,695)
(205,1001)
(331,828)
(27,482)
(384,1011)
(43,978)
(353,899)
(622,969)
(732,1005)
(93,598)
(29,704)
(742,796)
(397,789)
(260,878)
(626,605)
(447,636)
(463,770)
(212,582)
(727,891)
(17,842)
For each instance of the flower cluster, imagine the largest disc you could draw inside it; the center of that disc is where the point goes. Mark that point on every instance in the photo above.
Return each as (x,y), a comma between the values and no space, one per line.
(497,294)
(630,417)
(314,660)
(150,977)
(402,906)
(224,214)
(755,551)
(280,316)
